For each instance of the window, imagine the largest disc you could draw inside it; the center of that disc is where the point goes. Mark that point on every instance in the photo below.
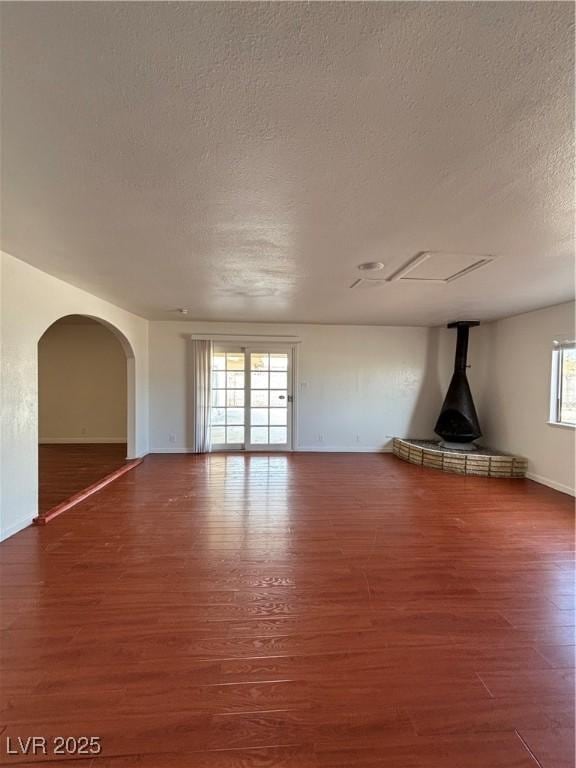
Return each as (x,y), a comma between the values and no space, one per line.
(563,393)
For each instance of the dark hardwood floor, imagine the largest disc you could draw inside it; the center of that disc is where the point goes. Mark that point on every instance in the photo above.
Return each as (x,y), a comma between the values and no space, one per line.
(304,611)
(64,470)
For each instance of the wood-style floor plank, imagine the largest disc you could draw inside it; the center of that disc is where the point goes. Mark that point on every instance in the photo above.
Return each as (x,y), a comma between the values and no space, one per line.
(295,611)
(67,468)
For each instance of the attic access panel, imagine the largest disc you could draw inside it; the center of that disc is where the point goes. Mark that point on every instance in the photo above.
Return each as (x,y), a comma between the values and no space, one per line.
(367,283)
(439,267)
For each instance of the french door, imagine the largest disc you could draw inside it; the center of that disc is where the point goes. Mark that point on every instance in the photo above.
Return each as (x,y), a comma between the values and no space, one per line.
(252,398)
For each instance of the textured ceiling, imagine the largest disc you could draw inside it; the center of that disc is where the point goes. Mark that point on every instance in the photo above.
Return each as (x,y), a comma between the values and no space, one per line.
(240,159)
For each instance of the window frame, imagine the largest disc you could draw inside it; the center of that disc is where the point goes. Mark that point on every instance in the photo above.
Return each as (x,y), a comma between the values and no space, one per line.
(556,382)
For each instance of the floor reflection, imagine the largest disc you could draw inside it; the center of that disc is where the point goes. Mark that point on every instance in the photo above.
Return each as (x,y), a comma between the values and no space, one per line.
(251,493)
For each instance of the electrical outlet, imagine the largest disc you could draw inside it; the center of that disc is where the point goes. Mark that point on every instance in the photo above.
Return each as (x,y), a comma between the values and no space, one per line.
(83,431)
(171,438)
(320,438)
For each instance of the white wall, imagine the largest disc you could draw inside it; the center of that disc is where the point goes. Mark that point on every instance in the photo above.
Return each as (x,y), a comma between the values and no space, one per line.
(82,380)
(516,401)
(30,302)
(359,385)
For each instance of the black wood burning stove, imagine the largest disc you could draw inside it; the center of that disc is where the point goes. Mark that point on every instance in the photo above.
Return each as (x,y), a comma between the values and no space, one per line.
(458,423)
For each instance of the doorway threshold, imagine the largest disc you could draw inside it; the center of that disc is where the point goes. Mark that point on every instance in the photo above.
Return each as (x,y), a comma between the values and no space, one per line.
(84,494)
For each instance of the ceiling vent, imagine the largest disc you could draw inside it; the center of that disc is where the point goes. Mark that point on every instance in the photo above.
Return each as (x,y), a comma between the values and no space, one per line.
(439,267)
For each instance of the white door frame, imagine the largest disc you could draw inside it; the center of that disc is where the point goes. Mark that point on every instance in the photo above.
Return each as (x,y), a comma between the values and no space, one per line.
(291,351)
(259,344)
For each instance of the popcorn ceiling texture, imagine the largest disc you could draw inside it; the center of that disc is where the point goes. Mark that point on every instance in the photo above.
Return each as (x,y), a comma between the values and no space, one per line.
(241,159)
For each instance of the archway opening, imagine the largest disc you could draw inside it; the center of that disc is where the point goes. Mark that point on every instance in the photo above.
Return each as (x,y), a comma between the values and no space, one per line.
(84,419)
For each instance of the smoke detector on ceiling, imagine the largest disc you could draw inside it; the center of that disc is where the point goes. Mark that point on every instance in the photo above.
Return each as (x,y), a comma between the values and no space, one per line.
(439,266)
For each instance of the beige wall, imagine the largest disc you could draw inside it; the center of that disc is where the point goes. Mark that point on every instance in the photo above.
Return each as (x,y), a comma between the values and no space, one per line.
(516,399)
(82,384)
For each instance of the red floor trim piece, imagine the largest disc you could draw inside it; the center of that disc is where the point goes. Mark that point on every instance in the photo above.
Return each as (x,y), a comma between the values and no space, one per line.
(82,495)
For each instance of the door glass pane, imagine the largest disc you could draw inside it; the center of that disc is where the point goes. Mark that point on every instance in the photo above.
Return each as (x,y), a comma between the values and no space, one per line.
(235,361)
(259,398)
(218,435)
(278,380)
(259,416)
(218,398)
(234,415)
(259,361)
(278,398)
(279,417)
(218,361)
(218,379)
(234,435)
(279,362)
(259,435)
(278,435)
(218,416)
(259,380)
(235,397)
(235,379)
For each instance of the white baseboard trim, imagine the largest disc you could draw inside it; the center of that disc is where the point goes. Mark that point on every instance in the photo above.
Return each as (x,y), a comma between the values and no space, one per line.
(551,484)
(5,533)
(343,449)
(299,449)
(80,440)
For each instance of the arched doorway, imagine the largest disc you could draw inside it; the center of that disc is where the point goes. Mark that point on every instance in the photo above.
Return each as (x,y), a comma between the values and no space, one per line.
(85,407)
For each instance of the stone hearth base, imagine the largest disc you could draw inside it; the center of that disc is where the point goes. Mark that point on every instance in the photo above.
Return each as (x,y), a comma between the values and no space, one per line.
(483,462)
